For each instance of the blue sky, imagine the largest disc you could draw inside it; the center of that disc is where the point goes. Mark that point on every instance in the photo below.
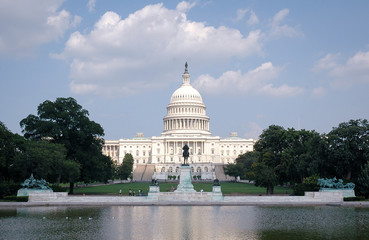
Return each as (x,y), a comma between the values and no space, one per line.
(298,64)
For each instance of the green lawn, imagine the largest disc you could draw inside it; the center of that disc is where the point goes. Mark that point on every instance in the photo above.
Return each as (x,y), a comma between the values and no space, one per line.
(227,188)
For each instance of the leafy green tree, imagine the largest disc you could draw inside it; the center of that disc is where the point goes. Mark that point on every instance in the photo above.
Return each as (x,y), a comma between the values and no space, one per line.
(362,183)
(245,161)
(125,169)
(65,122)
(233,170)
(265,176)
(43,159)
(348,148)
(8,151)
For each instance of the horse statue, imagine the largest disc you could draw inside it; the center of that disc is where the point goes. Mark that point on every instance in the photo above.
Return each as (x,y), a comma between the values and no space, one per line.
(186,154)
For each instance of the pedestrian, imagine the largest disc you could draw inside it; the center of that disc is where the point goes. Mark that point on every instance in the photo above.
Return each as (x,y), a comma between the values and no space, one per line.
(130,192)
(120,191)
(134,193)
(201,190)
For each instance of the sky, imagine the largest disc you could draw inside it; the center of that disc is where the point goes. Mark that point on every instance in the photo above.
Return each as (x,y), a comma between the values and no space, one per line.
(297,64)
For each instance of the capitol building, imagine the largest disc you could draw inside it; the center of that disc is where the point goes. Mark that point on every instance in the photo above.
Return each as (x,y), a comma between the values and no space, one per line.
(186,122)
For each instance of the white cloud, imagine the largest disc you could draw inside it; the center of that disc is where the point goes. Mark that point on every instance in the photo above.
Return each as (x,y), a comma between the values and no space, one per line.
(25,25)
(91,5)
(254,82)
(185,6)
(241,14)
(318,92)
(254,130)
(139,52)
(278,29)
(253,20)
(354,71)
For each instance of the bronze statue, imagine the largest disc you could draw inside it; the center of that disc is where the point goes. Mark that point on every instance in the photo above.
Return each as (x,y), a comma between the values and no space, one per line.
(186,154)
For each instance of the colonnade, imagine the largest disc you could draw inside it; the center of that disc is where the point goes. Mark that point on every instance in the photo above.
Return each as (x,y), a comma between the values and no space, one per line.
(175,147)
(174,124)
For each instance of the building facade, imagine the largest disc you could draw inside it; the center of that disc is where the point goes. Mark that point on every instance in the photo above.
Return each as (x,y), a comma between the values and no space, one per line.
(186,122)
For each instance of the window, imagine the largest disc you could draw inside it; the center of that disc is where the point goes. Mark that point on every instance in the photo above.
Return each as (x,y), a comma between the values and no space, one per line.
(144,153)
(137,152)
(170,169)
(198,169)
(163,169)
(212,151)
(206,169)
(158,150)
(222,152)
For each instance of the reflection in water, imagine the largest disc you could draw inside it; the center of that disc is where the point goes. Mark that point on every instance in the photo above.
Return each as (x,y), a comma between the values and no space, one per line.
(184,222)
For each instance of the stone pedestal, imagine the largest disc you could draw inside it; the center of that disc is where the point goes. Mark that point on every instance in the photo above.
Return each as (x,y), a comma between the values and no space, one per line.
(27,191)
(217,193)
(154,192)
(345,192)
(185,184)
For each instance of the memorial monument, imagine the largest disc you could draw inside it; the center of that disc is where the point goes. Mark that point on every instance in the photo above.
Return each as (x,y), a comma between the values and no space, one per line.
(32,185)
(336,185)
(185,184)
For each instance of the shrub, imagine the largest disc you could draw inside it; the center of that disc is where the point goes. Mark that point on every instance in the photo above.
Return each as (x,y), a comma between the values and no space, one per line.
(300,189)
(7,189)
(22,199)
(59,188)
(352,199)
(13,198)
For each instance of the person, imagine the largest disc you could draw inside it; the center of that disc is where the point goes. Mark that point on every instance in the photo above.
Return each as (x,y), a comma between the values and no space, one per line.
(201,190)
(134,193)
(120,191)
(130,192)
(139,192)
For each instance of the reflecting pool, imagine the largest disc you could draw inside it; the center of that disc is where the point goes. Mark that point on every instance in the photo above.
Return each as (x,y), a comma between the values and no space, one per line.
(184,222)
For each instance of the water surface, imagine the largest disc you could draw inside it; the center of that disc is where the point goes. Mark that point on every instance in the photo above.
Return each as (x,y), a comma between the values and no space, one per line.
(184,222)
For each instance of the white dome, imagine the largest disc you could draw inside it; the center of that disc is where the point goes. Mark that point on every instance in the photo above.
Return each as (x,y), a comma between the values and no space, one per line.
(186,93)
(186,112)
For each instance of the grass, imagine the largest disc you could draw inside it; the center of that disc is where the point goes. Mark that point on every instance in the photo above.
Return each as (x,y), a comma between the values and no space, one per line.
(227,188)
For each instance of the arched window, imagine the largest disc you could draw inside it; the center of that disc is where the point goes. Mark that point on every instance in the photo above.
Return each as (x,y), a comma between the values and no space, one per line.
(163,169)
(170,169)
(177,169)
(198,169)
(206,169)
(192,169)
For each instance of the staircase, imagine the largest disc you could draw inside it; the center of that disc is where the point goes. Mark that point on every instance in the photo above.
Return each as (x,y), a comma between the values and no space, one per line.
(143,172)
(138,172)
(148,173)
(220,175)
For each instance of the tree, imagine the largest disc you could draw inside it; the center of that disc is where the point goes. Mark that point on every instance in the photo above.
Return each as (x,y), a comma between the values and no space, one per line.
(66,122)
(245,161)
(362,183)
(43,159)
(125,169)
(265,175)
(296,153)
(7,152)
(233,170)
(348,148)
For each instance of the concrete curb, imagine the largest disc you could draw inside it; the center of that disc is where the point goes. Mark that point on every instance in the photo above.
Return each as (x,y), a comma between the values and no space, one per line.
(183,203)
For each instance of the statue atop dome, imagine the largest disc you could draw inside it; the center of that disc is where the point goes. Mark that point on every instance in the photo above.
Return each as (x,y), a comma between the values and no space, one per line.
(186,71)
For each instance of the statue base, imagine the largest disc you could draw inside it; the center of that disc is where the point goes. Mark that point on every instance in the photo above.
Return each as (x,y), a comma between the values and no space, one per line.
(345,192)
(27,191)
(185,184)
